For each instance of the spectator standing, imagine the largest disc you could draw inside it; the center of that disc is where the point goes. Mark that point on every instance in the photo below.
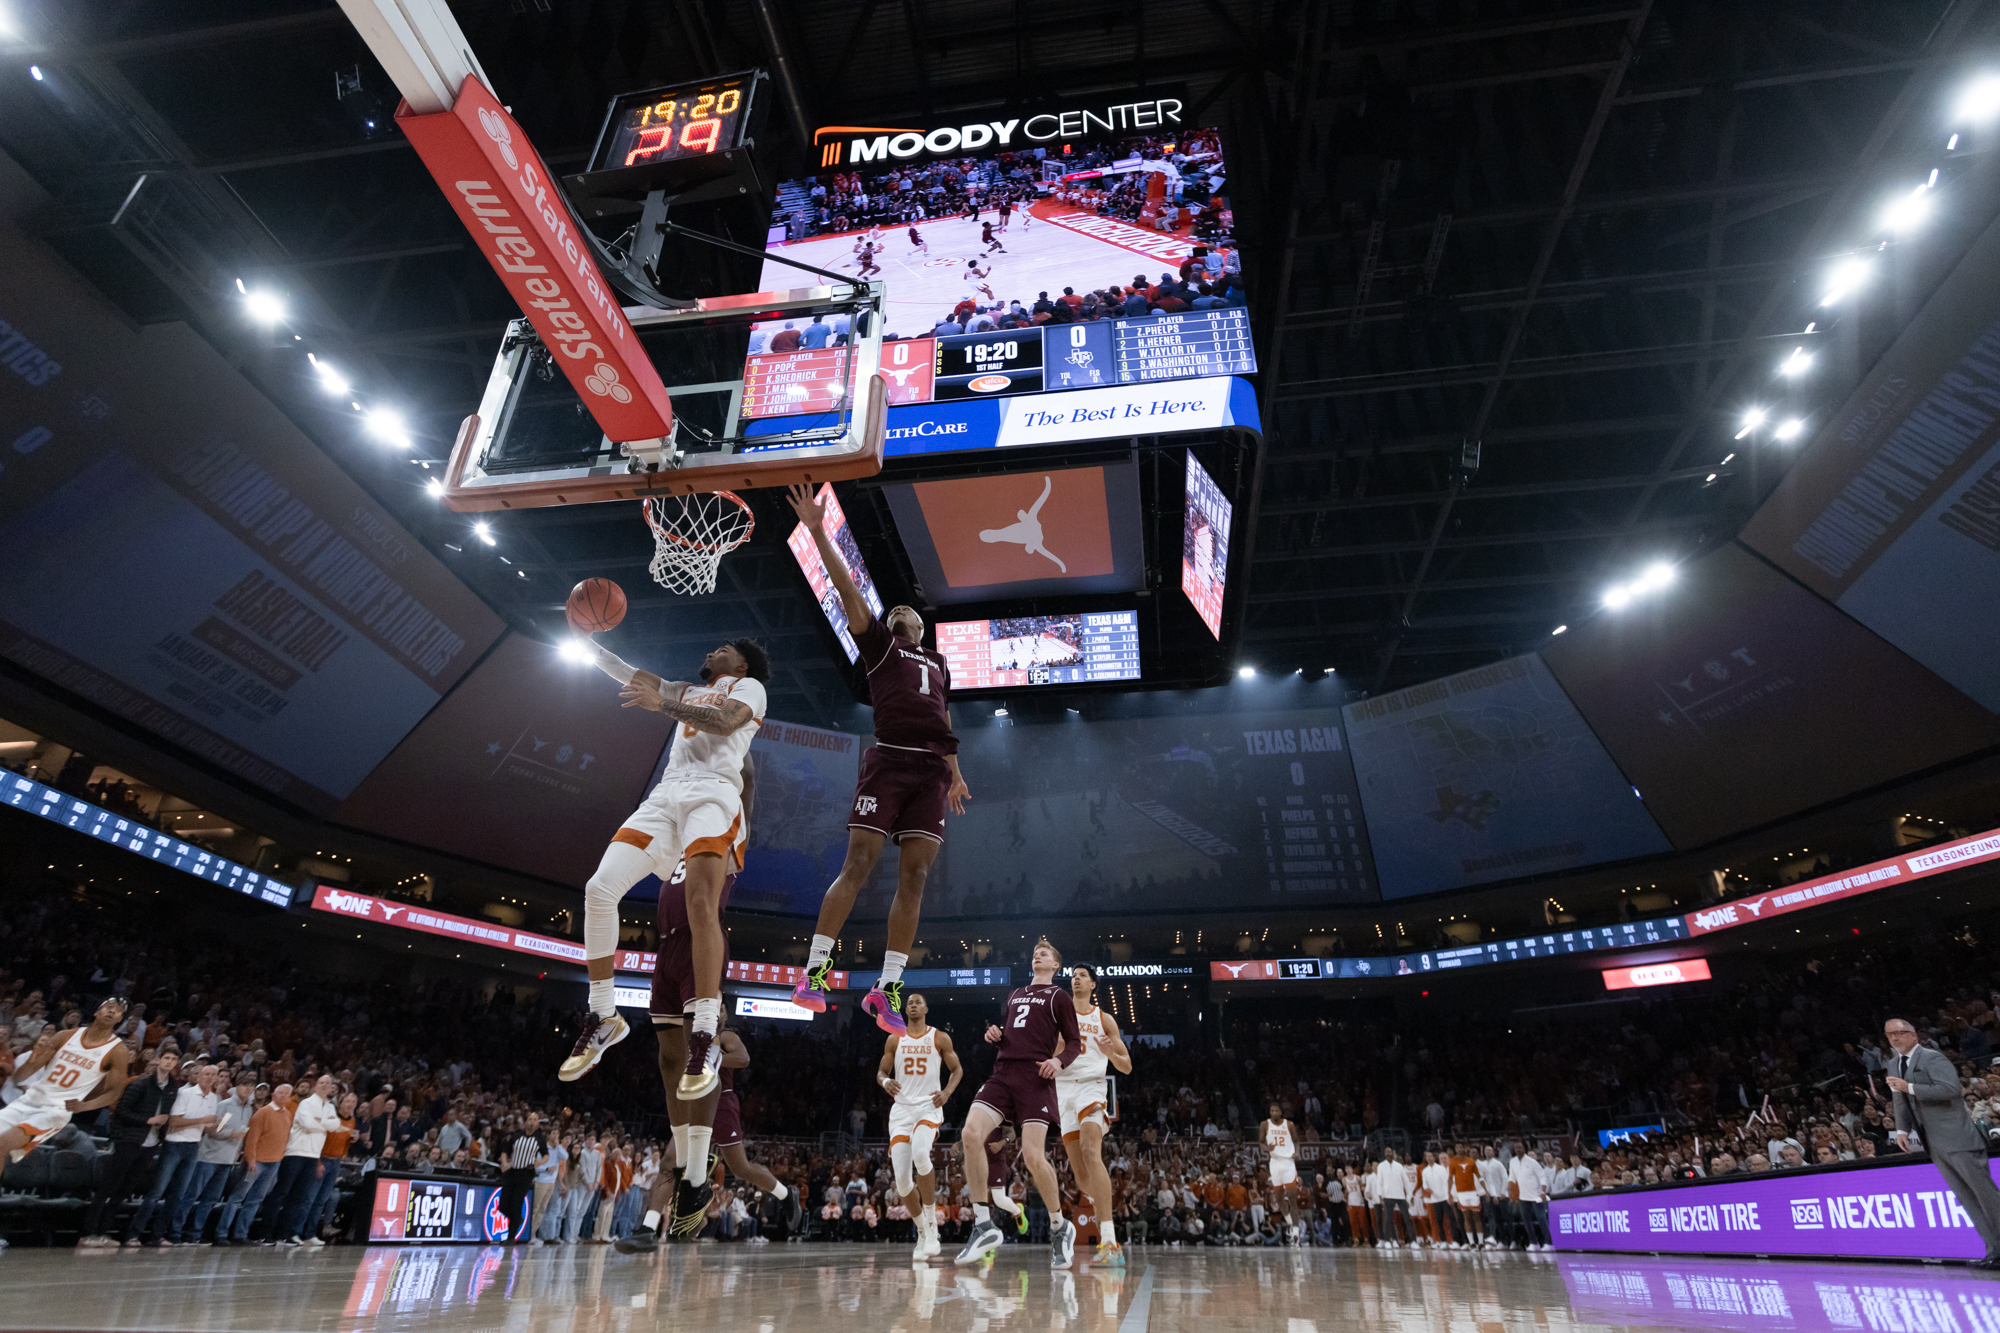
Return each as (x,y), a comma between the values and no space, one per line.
(548,1179)
(1527,1186)
(219,1150)
(452,1134)
(138,1121)
(331,1153)
(263,1153)
(192,1114)
(526,1153)
(587,1170)
(1929,1100)
(1392,1187)
(299,1173)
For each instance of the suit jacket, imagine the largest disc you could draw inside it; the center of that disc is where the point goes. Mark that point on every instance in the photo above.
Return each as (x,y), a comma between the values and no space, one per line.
(1935,1104)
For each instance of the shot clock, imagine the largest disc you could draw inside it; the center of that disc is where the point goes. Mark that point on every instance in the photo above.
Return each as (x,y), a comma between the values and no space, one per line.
(690,141)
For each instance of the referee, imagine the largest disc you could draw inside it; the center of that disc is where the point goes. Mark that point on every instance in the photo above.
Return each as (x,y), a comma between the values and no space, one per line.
(525,1154)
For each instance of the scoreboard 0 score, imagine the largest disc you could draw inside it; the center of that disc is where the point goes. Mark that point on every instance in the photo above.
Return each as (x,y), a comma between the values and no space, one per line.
(434,1211)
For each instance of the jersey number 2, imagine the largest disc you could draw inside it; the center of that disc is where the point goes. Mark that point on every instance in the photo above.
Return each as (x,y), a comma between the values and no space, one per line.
(1021,1016)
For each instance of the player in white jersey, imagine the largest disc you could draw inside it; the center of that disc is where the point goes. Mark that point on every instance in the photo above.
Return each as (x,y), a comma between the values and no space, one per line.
(68,1072)
(1282,1142)
(1081,1098)
(909,1073)
(695,812)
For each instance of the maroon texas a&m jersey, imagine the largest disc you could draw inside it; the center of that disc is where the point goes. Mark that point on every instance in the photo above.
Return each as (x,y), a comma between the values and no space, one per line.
(908,683)
(1038,1017)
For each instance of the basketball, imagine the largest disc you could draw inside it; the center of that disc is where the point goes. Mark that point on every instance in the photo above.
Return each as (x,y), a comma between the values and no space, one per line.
(595,604)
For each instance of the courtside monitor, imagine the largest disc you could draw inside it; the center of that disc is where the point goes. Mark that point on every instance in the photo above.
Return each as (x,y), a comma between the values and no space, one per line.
(1082,648)
(807,554)
(1205,545)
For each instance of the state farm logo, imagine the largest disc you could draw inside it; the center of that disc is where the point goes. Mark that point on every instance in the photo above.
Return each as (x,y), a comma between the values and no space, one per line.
(497,130)
(350,902)
(604,382)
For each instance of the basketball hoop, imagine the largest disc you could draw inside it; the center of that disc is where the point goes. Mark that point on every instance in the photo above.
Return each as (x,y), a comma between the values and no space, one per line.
(691,534)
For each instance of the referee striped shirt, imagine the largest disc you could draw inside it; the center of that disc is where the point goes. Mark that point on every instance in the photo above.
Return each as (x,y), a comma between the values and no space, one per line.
(525,1152)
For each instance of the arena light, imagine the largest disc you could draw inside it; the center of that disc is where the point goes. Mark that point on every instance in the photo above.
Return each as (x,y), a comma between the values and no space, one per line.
(36,72)
(1909,211)
(1653,578)
(1845,278)
(330,379)
(1752,419)
(1981,99)
(484,533)
(386,426)
(435,488)
(1798,363)
(262,306)
(577,651)
(1789,428)
(1559,629)
(1001,711)
(1245,672)
(1617,597)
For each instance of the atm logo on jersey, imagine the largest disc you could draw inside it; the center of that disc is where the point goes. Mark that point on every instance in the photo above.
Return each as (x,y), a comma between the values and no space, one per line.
(842,145)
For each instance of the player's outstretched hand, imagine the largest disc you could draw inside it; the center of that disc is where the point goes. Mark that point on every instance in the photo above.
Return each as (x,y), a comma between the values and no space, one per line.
(810,511)
(644,693)
(1049,1068)
(957,795)
(993,1033)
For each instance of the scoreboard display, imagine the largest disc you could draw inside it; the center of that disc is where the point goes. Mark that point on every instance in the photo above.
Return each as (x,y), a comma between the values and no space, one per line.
(1041,650)
(433,1211)
(983,365)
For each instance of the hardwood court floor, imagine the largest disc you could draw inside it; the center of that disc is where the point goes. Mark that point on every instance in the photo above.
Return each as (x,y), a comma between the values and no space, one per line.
(783,1288)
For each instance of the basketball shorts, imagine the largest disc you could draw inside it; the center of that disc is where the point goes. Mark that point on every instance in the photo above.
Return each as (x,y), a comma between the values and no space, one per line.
(673,968)
(901,794)
(728,1121)
(685,817)
(38,1119)
(1080,1101)
(1284,1171)
(904,1121)
(1466,1199)
(1014,1091)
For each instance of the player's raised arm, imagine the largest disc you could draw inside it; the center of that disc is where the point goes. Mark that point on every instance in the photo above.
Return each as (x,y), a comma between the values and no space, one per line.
(117,1072)
(950,1056)
(732,716)
(813,514)
(43,1051)
(885,1073)
(1112,1043)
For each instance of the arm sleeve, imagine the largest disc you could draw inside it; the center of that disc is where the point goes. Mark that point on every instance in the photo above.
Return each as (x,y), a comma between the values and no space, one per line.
(614,666)
(1066,1024)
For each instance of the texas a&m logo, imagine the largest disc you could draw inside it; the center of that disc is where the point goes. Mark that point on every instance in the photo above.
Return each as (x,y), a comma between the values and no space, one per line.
(864,805)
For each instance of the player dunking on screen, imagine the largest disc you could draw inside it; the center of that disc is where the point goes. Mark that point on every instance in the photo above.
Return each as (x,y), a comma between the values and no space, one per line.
(907,781)
(1081,1096)
(909,1074)
(696,811)
(976,279)
(1040,1041)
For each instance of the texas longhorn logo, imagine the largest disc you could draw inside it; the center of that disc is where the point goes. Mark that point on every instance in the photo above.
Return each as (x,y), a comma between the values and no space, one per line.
(496,130)
(604,380)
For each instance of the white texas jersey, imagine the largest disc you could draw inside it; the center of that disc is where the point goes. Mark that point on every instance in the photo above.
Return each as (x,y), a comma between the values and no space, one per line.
(917,1067)
(1278,1138)
(703,754)
(1091,1065)
(75,1070)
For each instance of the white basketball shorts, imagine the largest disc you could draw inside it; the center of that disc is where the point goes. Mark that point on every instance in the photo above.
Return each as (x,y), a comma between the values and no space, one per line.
(38,1119)
(904,1121)
(1079,1101)
(685,817)
(1284,1171)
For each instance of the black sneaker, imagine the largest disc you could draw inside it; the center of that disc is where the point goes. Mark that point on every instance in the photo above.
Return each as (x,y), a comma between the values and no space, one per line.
(691,1207)
(643,1241)
(795,1212)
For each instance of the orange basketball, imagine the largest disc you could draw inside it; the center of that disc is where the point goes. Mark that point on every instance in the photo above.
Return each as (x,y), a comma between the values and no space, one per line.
(595,604)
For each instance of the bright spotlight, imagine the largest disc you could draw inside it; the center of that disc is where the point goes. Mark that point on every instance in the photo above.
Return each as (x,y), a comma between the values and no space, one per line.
(1752,419)
(1245,673)
(1981,99)
(263,306)
(1908,211)
(1658,575)
(331,380)
(1617,597)
(36,72)
(435,487)
(1798,363)
(1844,278)
(1789,428)
(575,650)
(1559,629)
(1001,711)
(386,426)
(484,533)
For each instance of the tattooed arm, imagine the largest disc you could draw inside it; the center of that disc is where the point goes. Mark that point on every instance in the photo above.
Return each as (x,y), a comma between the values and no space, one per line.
(641,693)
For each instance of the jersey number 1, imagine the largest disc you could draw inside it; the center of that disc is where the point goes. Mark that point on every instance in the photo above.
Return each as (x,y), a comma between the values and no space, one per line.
(924,678)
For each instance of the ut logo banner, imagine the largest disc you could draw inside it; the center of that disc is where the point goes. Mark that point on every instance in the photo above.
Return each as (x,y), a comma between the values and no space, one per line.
(864,805)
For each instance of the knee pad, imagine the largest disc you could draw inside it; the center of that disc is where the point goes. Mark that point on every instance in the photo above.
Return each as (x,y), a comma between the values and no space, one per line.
(899,1159)
(623,866)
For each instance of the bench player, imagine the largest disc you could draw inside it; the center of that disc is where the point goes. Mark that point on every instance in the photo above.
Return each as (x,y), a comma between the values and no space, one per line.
(1282,1142)
(909,1074)
(1040,1040)
(1081,1096)
(67,1074)
(908,779)
(695,813)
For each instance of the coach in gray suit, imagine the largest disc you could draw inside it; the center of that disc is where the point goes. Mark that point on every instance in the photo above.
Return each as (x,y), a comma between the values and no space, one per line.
(1929,1100)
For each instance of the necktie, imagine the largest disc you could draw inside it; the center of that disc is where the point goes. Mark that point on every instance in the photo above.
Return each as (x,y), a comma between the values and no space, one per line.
(1903,1067)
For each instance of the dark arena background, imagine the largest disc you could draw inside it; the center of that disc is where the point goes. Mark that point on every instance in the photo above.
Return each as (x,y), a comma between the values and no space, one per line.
(1454,547)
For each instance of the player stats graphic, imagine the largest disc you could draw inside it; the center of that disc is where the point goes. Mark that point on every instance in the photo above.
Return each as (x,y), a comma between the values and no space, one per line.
(1077,649)
(1205,545)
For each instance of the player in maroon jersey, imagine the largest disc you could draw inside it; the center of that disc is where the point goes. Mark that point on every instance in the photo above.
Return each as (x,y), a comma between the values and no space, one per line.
(907,782)
(1040,1039)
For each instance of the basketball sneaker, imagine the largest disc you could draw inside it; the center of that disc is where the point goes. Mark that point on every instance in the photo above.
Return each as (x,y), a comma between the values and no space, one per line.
(698,1076)
(985,1239)
(1062,1242)
(886,1003)
(1020,1221)
(599,1035)
(795,1214)
(691,1207)
(812,992)
(642,1241)
(1109,1256)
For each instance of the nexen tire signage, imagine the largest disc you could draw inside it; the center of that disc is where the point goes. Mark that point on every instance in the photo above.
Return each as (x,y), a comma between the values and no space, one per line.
(498,186)
(844,145)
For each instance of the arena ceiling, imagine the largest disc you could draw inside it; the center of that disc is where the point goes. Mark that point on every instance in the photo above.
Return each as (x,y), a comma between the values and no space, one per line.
(1518,267)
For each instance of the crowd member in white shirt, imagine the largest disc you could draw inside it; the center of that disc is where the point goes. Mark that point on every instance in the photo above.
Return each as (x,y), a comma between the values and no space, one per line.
(1527,1185)
(299,1174)
(1392,1214)
(1371,1198)
(192,1115)
(220,1147)
(1437,1198)
(1499,1206)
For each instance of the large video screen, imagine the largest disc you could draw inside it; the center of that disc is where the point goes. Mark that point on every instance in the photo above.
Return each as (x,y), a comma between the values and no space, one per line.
(530,765)
(806,552)
(1893,511)
(1489,775)
(1028,269)
(1049,532)
(1150,814)
(178,554)
(1078,649)
(1205,545)
(1714,697)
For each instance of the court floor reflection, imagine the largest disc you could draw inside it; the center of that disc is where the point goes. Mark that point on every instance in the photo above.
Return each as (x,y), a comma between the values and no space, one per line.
(775,1289)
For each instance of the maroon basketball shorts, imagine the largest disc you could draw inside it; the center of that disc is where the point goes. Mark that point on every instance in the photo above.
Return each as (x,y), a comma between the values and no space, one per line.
(901,794)
(728,1121)
(673,970)
(1014,1091)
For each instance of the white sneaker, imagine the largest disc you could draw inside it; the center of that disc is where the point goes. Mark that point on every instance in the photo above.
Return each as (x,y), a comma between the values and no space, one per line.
(314,1242)
(597,1035)
(1062,1244)
(985,1239)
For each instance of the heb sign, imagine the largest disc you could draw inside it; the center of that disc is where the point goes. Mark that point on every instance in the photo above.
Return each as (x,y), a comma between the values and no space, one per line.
(1847,884)
(502,192)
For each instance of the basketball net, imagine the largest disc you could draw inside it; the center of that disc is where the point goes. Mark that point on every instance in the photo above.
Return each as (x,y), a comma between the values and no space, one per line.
(691,534)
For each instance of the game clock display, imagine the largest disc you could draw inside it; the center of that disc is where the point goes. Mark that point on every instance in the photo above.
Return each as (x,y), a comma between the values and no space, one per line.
(433,1211)
(665,124)
(1041,650)
(985,365)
